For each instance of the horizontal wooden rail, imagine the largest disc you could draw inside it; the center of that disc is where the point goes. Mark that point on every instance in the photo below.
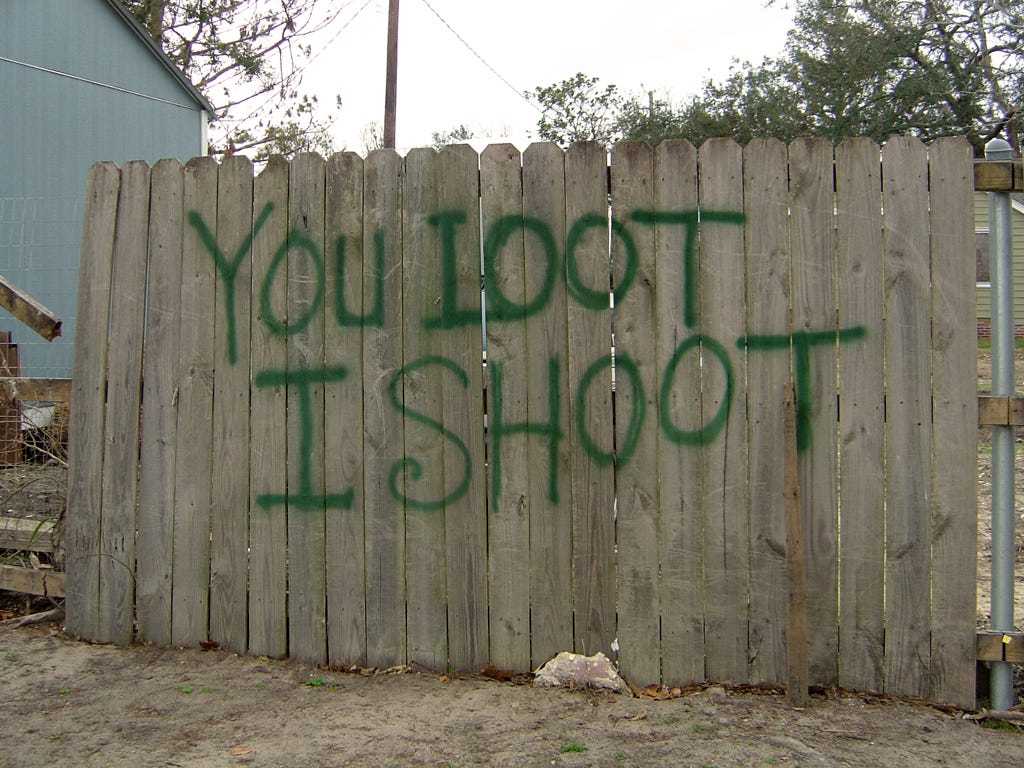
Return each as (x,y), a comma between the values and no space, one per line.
(30,535)
(1001,646)
(30,581)
(1000,411)
(35,389)
(998,176)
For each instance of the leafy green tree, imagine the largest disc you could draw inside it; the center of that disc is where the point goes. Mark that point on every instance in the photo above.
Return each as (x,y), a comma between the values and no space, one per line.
(578,109)
(456,135)
(871,68)
(247,57)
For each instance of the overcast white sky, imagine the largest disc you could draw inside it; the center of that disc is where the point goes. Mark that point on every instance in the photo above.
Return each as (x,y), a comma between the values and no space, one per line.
(661,45)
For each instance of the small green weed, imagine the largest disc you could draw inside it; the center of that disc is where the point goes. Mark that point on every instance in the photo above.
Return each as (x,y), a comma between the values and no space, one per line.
(206,689)
(669,720)
(702,727)
(772,760)
(572,746)
(64,689)
(184,688)
(316,682)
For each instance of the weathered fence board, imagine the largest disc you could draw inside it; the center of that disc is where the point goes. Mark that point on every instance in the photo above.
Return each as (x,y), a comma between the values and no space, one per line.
(954,411)
(550,496)
(229,474)
(268,458)
(343,416)
(88,400)
(768,311)
(159,419)
(908,437)
(325,466)
(861,412)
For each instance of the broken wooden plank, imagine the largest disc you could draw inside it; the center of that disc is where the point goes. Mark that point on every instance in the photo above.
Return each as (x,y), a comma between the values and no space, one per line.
(32,582)
(30,535)
(1001,646)
(29,311)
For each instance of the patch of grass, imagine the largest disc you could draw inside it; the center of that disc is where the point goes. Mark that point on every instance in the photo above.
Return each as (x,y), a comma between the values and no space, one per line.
(669,720)
(770,760)
(184,688)
(620,757)
(315,682)
(702,727)
(64,689)
(206,689)
(1000,725)
(572,746)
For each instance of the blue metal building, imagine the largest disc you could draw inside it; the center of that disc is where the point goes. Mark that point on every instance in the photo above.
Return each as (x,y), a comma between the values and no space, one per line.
(80,81)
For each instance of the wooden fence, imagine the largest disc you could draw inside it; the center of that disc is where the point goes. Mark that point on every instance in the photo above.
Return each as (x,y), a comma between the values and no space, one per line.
(284,440)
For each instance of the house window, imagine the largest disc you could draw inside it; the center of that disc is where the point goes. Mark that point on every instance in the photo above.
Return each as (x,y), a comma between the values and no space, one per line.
(981,260)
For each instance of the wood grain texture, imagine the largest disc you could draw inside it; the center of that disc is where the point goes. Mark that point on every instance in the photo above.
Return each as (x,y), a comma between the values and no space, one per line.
(680,468)
(229,564)
(155,545)
(859,240)
(547,399)
(88,401)
(509,499)
(307,484)
(268,458)
(814,348)
(418,389)
(954,500)
(591,437)
(769,287)
(634,322)
(343,403)
(194,380)
(908,434)
(722,301)
(463,404)
(121,427)
(383,430)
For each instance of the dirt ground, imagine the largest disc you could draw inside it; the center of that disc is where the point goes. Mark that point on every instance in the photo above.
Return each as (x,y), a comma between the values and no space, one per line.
(70,703)
(77,704)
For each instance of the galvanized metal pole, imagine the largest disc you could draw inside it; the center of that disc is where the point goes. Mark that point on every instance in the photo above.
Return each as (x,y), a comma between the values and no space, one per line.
(1001,273)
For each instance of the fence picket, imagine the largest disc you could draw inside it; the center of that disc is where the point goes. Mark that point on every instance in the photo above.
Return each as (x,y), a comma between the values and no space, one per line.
(268,457)
(861,461)
(634,321)
(465,517)
(229,519)
(509,496)
(159,415)
(419,391)
(589,412)
(383,431)
(721,319)
(190,582)
(88,402)
(814,352)
(346,313)
(954,497)
(547,392)
(680,468)
(908,428)
(769,275)
(121,427)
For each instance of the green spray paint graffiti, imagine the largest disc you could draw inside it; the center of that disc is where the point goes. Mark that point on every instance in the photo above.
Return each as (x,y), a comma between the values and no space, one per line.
(407,470)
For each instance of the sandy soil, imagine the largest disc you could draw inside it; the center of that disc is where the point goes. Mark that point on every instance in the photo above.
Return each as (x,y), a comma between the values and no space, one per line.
(71,703)
(77,704)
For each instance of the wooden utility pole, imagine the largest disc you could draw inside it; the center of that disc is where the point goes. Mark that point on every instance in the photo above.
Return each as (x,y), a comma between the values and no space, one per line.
(391,84)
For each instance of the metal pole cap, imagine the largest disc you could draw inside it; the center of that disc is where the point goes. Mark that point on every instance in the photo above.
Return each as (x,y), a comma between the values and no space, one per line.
(998,149)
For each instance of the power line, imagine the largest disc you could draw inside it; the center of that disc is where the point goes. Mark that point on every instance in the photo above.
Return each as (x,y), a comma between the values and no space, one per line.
(483,61)
(340,30)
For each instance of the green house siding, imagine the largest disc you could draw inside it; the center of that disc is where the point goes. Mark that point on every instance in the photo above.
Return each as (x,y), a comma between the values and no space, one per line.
(79,84)
(981,224)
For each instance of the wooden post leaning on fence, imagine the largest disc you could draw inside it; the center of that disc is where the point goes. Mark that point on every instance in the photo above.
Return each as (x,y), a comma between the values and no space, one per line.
(29,311)
(797,677)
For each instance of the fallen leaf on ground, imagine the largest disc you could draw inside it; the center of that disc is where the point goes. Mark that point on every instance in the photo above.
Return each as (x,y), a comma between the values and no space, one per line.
(237,751)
